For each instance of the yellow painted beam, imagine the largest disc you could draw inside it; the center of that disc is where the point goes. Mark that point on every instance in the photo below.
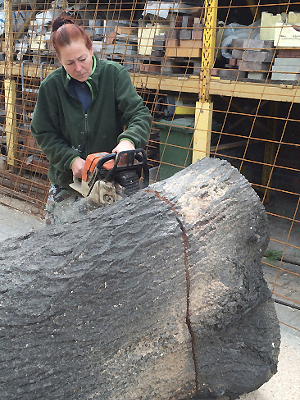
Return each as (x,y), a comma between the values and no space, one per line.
(202,130)
(204,107)
(209,45)
(11,120)
(9,88)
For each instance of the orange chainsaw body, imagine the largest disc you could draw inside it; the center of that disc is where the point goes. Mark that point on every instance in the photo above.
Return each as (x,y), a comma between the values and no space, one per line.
(105,179)
(91,163)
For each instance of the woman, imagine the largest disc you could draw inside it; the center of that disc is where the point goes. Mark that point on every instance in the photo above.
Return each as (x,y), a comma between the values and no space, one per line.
(86,106)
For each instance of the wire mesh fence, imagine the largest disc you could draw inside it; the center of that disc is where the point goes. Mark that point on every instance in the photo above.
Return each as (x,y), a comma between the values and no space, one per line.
(221,79)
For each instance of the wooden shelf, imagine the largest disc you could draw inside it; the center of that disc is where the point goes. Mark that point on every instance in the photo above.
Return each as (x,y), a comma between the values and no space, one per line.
(253,90)
(30,70)
(189,84)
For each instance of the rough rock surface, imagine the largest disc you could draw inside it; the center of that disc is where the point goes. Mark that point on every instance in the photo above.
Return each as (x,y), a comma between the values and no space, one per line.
(160,296)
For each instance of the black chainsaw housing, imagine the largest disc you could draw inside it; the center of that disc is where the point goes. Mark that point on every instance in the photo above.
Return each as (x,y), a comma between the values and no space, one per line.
(126,174)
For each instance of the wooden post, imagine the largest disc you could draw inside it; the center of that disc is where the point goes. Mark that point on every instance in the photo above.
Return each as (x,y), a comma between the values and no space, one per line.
(204,108)
(10,88)
(202,131)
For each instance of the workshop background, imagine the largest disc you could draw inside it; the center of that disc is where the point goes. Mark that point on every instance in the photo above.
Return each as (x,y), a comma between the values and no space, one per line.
(221,79)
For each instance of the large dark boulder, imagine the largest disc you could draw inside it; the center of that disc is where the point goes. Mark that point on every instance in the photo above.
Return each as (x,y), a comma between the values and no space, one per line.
(160,296)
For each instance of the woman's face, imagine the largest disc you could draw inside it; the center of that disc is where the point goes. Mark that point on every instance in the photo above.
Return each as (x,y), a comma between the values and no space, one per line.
(77,60)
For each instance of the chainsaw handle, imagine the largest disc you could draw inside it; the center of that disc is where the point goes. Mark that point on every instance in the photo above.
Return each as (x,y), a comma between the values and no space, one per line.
(138,154)
(105,158)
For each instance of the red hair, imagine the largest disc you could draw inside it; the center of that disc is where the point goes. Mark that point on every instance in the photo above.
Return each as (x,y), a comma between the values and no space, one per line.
(65,31)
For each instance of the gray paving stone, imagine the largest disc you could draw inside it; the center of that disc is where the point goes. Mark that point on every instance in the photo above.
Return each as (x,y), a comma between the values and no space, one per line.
(287,62)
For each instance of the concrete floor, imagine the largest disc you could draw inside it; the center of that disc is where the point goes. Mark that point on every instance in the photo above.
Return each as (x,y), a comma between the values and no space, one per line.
(16,223)
(285,385)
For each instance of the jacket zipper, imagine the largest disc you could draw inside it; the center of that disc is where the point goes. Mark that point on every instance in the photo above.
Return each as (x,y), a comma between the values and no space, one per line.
(86,132)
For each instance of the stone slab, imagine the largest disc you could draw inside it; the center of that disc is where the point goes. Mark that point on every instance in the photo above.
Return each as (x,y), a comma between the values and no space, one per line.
(252,44)
(257,75)
(253,55)
(280,76)
(286,68)
(233,74)
(295,62)
(288,53)
(253,66)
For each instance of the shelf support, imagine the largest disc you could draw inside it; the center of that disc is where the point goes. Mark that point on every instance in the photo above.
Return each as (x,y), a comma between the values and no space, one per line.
(209,44)
(204,107)
(202,130)
(10,88)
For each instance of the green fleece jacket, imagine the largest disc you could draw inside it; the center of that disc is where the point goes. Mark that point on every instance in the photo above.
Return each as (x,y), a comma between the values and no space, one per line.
(64,131)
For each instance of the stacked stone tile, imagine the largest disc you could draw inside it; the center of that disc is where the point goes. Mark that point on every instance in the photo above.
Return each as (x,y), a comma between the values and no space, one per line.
(183,46)
(251,58)
(286,65)
(178,39)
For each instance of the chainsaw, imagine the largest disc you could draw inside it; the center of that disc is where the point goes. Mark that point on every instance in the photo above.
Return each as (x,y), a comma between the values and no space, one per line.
(106,179)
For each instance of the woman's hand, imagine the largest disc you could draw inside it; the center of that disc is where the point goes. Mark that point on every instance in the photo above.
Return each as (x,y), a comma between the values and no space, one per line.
(123,146)
(77,167)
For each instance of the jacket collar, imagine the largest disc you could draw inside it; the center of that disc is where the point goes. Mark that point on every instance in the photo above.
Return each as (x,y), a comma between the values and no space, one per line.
(92,79)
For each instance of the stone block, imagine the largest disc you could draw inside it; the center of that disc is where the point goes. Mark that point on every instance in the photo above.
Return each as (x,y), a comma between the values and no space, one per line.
(171,47)
(288,53)
(253,44)
(232,62)
(150,68)
(295,62)
(286,68)
(197,32)
(157,53)
(159,42)
(237,54)
(189,48)
(196,67)
(253,66)
(280,76)
(253,55)
(268,23)
(185,34)
(257,75)
(293,18)
(232,74)
(258,56)
(187,21)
